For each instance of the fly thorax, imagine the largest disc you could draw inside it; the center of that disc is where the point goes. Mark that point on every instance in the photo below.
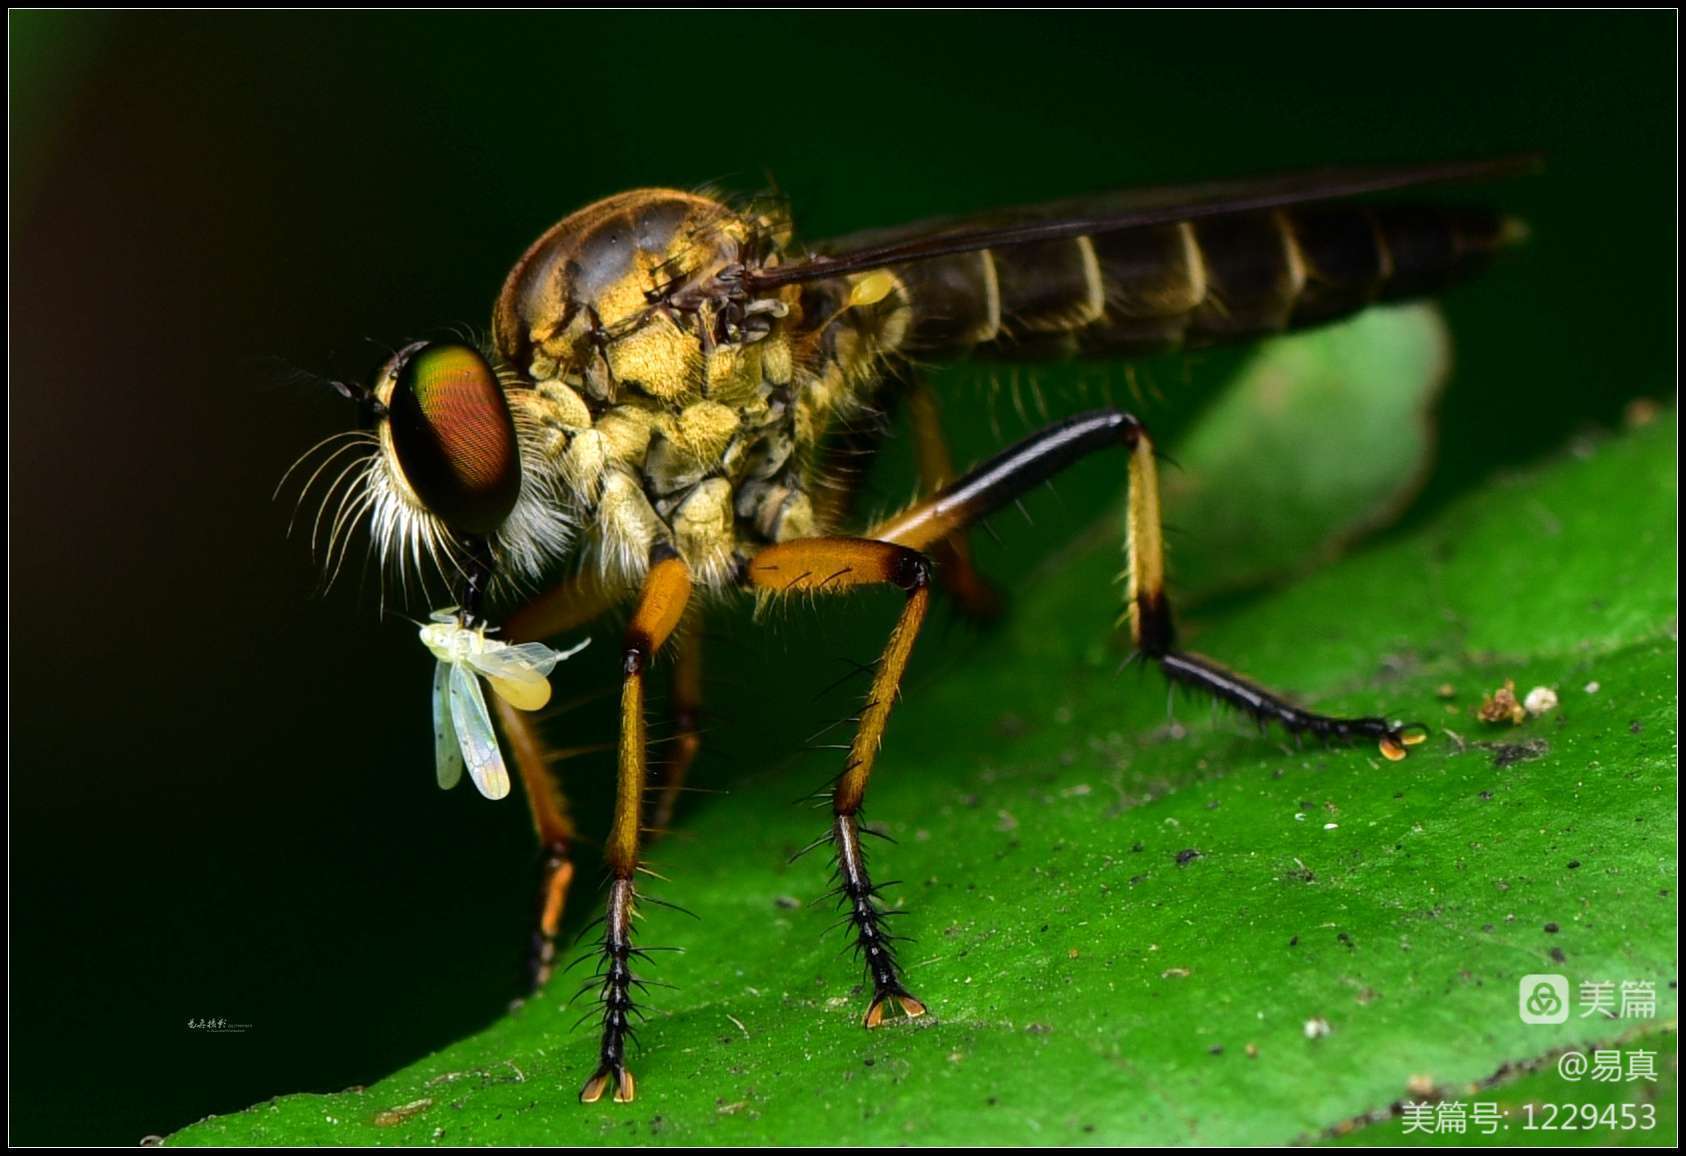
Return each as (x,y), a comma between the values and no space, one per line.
(689,445)
(617,297)
(704,530)
(659,389)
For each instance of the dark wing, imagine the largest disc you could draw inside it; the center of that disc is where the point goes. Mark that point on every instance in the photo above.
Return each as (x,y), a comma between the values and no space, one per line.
(1112,212)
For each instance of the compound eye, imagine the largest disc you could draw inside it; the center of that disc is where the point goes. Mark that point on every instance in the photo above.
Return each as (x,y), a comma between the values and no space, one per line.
(454,437)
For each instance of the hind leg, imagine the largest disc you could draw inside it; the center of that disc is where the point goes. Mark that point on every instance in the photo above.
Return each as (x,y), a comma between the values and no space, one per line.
(1034,460)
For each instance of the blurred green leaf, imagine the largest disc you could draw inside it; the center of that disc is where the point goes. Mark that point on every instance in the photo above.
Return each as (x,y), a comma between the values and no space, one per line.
(1091,980)
(1323,436)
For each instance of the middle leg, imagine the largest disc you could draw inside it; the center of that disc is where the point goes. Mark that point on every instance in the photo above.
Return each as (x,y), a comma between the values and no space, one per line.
(832,566)
(568,606)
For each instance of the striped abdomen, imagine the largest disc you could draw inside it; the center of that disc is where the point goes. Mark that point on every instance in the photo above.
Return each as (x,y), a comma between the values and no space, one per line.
(1149,289)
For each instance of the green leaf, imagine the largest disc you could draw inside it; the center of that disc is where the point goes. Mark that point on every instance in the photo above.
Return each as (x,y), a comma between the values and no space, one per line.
(1322,436)
(1089,979)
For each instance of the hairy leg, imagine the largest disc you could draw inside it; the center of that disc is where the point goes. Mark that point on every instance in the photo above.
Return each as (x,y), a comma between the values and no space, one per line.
(661,605)
(566,607)
(834,566)
(1148,610)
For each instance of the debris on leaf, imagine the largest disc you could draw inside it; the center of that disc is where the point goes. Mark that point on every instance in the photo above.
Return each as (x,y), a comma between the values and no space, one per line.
(1508,754)
(1501,706)
(403,1112)
(1540,700)
(1316,1028)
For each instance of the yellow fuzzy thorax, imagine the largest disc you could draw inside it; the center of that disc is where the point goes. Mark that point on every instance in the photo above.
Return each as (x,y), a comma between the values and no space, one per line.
(679,426)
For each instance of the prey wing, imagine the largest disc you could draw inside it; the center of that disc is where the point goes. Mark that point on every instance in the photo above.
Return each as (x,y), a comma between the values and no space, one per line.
(447,756)
(476,740)
(520,674)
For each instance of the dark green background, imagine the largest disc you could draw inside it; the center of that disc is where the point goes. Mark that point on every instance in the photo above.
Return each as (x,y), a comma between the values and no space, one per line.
(221,798)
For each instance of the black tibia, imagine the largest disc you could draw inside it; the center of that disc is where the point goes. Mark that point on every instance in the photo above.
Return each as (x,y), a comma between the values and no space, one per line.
(1008,475)
(867,923)
(1153,629)
(1267,707)
(615,994)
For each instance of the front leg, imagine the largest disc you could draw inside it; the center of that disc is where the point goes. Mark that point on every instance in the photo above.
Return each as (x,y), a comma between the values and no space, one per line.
(667,591)
(555,828)
(829,566)
(566,607)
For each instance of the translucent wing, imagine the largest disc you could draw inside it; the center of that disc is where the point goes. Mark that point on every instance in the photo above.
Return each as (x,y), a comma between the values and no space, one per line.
(1129,209)
(447,758)
(519,674)
(528,658)
(475,737)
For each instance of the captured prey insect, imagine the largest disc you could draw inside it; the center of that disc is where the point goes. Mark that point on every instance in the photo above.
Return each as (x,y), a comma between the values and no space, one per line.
(659,413)
(462,727)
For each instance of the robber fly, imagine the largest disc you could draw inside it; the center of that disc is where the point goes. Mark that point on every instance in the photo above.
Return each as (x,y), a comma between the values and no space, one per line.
(662,399)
